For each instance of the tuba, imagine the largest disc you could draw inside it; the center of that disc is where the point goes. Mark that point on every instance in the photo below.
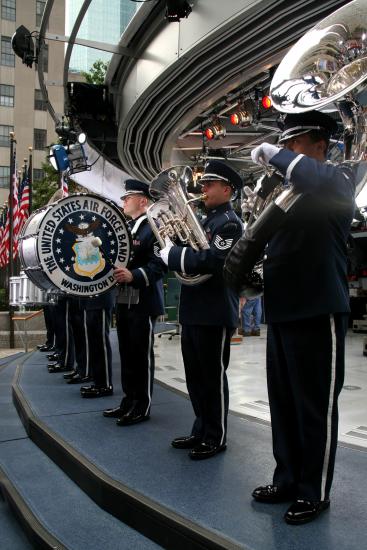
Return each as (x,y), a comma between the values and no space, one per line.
(327,67)
(172,215)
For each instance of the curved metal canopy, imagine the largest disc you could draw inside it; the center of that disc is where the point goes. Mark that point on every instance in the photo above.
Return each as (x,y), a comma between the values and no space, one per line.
(178,76)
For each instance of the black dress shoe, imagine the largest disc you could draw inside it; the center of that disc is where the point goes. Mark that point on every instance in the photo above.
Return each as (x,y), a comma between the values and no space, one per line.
(44,347)
(272,494)
(70,374)
(98,391)
(86,388)
(87,379)
(117,412)
(132,417)
(76,379)
(52,356)
(303,511)
(206,450)
(185,442)
(57,368)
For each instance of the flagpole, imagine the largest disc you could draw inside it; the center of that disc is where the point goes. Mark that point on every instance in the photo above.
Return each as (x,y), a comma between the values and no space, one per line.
(11,238)
(30,178)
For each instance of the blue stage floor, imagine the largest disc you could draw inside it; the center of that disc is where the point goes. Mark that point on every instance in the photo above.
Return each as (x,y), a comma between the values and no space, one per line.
(213,494)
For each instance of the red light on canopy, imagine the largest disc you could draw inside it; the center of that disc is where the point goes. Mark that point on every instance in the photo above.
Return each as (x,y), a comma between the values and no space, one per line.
(215,131)
(240,118)
(266,102)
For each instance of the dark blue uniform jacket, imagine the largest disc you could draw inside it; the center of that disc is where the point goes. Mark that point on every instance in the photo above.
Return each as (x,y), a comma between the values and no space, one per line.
(305,262)
(147,268)
(211,302)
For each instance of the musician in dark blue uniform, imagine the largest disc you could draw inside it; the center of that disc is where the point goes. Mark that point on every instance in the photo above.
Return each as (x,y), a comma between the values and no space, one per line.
(208,314)
(98,361)
(306,307)
(139,303)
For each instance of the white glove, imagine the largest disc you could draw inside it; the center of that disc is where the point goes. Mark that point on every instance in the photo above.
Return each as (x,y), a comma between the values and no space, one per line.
(264,153)
(164,253)
(248,204)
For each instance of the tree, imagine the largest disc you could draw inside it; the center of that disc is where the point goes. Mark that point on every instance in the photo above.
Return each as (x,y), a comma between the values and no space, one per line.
(96,73)
(44,189)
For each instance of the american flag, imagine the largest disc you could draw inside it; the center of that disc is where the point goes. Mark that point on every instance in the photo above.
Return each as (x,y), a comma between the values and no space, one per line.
(23,198)
(2,236)
(6,239)
(65,187)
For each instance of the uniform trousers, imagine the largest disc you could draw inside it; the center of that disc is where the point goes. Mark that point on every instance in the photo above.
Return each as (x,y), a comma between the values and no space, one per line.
(305,374)
(77,321)
(205,352)
(99,358)
(136,340)
(48,312)
(63,334)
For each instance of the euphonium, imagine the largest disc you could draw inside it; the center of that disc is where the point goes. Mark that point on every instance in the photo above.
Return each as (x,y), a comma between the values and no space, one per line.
(326,67)
(172,215)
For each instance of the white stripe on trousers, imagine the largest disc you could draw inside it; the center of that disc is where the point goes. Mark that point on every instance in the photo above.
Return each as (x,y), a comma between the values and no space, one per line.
(149,365)
(330,409)
(67,334)
(86,344)
(222,371)
(104,347)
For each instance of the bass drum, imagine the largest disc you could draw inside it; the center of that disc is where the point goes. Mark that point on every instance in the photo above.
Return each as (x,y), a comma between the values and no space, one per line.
(57,245)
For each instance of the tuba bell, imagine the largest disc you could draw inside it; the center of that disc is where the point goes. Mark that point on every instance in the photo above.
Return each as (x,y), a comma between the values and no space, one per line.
(173,216)
(326,68)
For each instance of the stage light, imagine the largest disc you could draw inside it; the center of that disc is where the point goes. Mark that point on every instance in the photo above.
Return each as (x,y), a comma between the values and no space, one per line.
(23,47)
(59,158)
(241,118)
(215,131)
(71,158)
(266,102)
(82,138)
(176,9)
(77,159)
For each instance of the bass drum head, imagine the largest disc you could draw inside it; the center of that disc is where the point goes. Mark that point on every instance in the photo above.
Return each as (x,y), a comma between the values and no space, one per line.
(64,245)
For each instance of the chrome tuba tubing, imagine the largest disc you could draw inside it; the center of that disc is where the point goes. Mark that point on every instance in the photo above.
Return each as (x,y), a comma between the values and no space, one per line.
(327,67)
(172,215)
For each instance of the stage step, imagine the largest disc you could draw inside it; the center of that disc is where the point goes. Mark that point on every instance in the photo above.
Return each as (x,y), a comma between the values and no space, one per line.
(53,510)
(136,475)
(11,536)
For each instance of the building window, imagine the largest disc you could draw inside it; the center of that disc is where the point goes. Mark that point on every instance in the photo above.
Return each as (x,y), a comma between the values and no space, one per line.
(4,176)
(38,174)
(6,95)
(40,6)
(8,9)
(39,102)
(40,139)
(4,135)
(7,54)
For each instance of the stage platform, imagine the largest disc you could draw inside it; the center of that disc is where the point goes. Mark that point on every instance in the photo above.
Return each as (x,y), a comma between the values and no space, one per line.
(86,483)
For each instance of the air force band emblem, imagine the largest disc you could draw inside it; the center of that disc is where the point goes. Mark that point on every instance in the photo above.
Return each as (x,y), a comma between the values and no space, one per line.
(67,247)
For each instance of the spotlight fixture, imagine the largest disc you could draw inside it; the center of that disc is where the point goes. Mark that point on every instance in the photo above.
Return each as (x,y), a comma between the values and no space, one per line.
(241,118)
(266,102)
(71,158)
(23,47)
(177,9)
(58,158)
(215,131)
